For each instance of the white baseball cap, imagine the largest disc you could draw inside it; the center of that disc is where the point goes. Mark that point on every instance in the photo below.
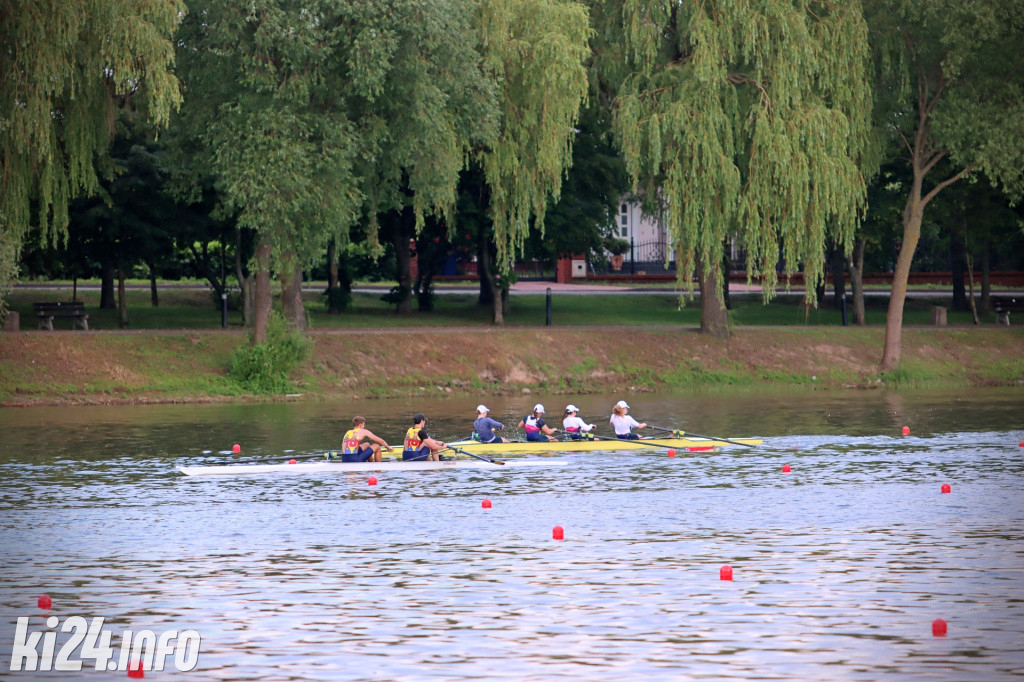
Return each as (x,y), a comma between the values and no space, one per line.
(481,408)
(622,404)
(538,408)
(571,408)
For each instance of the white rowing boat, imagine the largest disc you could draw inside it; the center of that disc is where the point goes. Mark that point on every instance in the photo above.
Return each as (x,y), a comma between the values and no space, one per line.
(350,467)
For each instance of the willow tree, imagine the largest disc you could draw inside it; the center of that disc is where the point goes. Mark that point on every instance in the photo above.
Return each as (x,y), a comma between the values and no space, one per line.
(951,94)
(535,50)
(265,96)
(423,102)
(742,120)
(67,67)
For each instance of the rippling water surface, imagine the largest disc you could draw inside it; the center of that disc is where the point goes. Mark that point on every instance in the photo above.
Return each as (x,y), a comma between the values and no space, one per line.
(840,566)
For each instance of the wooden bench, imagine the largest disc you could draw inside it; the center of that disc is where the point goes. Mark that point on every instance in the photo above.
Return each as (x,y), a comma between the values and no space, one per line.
(1004,305)
(64,309)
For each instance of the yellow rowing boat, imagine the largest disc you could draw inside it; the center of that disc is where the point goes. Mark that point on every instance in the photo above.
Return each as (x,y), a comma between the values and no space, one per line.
(602,445)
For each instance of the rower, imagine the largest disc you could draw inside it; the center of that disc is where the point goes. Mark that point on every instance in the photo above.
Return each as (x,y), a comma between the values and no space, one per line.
(536,428)
(484,427)
(576,428)
(418,444)
(623,423)
(353,449)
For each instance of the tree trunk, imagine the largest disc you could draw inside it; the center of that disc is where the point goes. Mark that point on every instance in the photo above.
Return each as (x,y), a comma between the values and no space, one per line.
(726,269)
(107,299)
(122,303)
(291,296)
(485,274)
(912,215)
(263,303)
(401,229)
(970,284)
(499,308)
(245,283)
(856,267)
(714,318)
(154,297)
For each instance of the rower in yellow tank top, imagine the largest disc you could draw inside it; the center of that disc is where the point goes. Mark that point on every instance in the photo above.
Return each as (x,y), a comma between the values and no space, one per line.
(353,449)
(419,445)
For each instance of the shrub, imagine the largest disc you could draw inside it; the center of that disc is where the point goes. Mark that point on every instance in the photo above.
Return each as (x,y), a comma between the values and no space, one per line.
(264,368)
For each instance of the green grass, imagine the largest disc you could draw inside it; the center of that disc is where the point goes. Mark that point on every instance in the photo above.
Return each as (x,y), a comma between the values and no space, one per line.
(195,309)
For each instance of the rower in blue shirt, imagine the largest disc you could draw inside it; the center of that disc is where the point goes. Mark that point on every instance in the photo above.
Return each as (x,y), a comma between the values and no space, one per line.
(484,427)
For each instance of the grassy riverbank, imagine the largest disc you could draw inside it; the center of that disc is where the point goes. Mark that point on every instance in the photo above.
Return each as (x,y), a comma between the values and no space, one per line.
(40,368)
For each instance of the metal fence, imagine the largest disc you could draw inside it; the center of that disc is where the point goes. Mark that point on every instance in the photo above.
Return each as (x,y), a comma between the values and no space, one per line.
(642,258)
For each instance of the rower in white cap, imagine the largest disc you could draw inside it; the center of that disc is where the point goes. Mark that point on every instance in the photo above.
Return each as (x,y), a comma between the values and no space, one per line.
(535,426)
(574,426)
(623,423)
(485,427)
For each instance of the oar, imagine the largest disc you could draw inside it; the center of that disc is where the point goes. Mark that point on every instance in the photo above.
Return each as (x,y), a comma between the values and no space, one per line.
(486,459)
(638,441)
(680,432)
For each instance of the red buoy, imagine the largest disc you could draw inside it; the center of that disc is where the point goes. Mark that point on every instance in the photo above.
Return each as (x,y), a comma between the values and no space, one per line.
(236,448)
(1020,444)
(946,488)
(373,480)
(671,452)
(486,504)
(906,430)
(292,461)
(939,627)
(558,533)
(45,602)
(725,572)
(785,469)
(135,669)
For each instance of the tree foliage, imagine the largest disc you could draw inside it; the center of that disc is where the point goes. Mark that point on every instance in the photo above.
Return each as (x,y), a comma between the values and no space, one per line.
(536,51)
(67,67)
(744,119)
(950,96)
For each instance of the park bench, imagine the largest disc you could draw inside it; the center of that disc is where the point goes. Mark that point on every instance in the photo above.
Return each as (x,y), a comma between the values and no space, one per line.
(1005,305)
(75,310)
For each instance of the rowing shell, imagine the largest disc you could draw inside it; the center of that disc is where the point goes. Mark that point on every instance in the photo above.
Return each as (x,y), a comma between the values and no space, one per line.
(346,467)
(606,445)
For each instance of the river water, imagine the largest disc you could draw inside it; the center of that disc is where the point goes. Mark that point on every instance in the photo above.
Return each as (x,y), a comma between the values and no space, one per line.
(840,567)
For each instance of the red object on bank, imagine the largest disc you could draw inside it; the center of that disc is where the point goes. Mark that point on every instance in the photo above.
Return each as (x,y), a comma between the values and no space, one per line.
(236,448)
(906,430)
(292,461)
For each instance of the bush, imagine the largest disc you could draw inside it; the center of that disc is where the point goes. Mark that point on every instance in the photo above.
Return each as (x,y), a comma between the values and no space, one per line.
(264,368)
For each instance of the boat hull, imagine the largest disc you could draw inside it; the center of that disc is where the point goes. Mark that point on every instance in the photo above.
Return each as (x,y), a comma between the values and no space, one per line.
(607,445)
(356,467)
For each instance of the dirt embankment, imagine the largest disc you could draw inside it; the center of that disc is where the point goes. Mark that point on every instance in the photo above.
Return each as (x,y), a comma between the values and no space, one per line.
(39,368)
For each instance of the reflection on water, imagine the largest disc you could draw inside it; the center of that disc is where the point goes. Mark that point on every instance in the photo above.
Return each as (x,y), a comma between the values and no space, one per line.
(840,566)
